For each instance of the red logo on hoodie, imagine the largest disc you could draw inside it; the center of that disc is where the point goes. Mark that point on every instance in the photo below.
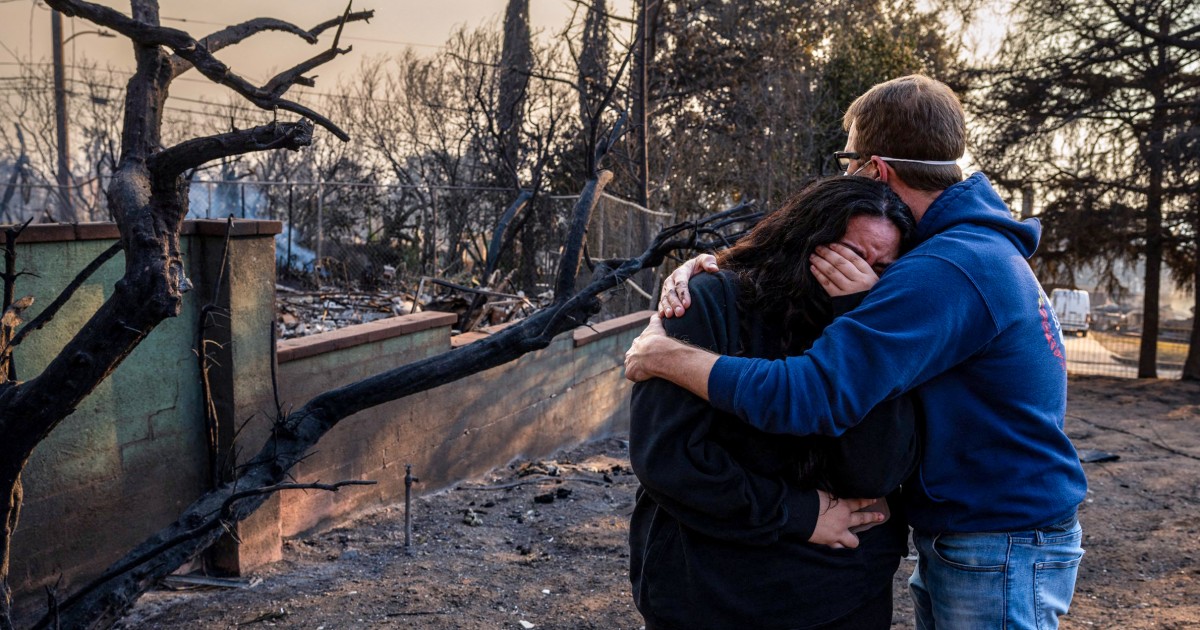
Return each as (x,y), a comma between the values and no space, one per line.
(1051,336)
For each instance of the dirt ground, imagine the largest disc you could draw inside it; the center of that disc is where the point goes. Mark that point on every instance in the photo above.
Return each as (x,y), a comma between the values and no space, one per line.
(543,544)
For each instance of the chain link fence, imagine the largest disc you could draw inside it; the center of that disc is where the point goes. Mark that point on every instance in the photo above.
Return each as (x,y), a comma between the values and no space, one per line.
(1114,352)
(621,229)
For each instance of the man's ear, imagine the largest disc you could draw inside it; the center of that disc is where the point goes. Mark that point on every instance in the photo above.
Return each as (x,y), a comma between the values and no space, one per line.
(883,170)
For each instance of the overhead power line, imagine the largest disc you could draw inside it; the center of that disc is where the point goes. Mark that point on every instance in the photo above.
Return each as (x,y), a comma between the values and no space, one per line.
(127,74)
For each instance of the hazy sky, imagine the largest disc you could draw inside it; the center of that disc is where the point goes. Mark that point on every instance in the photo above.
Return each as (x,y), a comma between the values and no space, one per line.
(423,24)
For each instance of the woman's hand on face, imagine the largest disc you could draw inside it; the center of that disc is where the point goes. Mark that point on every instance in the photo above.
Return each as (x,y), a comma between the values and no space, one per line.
(841,271)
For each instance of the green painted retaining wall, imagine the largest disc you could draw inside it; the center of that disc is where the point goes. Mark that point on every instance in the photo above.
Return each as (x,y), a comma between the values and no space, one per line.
(135,452)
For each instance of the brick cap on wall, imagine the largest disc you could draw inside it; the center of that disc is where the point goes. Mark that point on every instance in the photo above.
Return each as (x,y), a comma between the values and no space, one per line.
(343,338)
(56,232)
(302,347)
(585,334)
(582,335)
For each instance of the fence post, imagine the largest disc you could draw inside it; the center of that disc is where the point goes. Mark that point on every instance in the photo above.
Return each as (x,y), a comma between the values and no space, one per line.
(290,224)
(320,229)
(422,240)
(433,229)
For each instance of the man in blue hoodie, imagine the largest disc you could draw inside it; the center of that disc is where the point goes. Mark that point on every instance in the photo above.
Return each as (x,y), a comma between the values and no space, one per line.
(961,322)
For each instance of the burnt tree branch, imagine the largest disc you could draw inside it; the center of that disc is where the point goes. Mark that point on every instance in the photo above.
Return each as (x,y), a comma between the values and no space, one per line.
(497,243)
(568,265)
(475,290)
(283,81)
(581,216)
(191,51)
(238,33)
(493,253)
(139,31)
(172,162)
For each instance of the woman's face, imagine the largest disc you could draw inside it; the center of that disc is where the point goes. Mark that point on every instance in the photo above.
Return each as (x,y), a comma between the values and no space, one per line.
(875,239)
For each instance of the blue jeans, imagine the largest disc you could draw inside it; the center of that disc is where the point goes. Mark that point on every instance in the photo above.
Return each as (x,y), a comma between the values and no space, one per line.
(1021,580)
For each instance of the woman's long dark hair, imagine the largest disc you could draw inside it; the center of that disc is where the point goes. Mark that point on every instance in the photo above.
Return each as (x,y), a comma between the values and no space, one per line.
(776,284)
(772,260)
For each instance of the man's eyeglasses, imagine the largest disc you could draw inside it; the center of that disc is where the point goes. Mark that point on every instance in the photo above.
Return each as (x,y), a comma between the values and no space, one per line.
(843,159)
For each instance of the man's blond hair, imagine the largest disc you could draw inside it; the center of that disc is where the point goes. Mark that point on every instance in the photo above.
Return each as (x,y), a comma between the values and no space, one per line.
(916,118)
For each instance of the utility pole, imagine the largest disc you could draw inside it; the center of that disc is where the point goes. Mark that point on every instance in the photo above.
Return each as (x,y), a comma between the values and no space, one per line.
(60,119)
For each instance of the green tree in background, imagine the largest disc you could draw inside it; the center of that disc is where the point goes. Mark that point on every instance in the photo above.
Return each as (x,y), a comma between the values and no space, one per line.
(1094,105)
(749,95)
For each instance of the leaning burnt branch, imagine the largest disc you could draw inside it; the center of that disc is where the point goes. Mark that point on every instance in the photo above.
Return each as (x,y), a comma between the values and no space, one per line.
(581,216)
(495,246)
(294,436)
(218,522)
(568,266)
(493,253)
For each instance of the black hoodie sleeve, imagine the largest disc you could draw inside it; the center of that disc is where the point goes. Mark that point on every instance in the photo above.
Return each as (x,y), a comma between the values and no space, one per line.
(691,476)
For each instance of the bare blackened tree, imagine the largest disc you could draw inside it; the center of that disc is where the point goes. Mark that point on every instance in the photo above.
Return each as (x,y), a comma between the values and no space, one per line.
(148,199)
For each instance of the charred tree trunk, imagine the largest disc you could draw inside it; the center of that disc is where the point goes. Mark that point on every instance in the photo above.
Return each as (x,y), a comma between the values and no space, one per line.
(148,197)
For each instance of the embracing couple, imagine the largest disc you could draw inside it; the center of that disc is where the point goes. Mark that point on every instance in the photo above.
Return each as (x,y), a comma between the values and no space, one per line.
(874,355)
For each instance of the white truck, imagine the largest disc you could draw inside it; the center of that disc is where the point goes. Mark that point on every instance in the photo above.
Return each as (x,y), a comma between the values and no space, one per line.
(1074,310)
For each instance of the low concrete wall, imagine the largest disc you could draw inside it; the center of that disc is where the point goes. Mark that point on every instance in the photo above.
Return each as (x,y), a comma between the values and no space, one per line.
(135,452)
(567,393)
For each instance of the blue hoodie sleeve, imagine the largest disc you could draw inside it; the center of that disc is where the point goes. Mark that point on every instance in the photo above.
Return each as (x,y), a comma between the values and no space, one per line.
(923,317)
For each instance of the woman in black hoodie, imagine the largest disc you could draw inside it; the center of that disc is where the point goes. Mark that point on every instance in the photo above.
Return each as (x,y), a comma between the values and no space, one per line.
(720,536)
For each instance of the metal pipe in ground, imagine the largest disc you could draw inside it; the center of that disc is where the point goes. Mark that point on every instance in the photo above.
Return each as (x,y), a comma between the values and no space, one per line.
(409,480)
